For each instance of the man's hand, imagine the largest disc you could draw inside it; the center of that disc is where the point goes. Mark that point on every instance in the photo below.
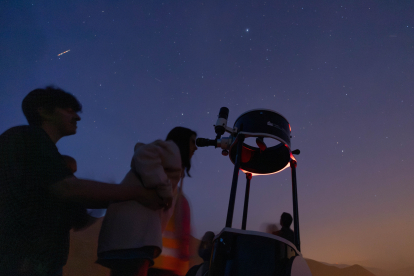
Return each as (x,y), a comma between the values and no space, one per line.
(150,199)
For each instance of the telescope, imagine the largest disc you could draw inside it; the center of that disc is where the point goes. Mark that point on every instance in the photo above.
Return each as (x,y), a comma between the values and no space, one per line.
(239,252)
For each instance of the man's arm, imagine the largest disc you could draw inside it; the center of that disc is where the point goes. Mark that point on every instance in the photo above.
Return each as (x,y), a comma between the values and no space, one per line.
(94,195)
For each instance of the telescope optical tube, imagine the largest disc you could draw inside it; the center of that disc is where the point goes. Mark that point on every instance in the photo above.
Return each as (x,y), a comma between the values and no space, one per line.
(221,123)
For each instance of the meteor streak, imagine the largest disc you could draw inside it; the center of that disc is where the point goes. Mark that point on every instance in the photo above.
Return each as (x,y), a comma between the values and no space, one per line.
(63,52)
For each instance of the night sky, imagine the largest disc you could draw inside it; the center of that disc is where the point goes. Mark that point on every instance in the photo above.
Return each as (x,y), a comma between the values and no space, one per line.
(341,72)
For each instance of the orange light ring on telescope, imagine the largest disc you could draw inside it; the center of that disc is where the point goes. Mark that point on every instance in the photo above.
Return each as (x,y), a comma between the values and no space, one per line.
(287,165)
(253,163)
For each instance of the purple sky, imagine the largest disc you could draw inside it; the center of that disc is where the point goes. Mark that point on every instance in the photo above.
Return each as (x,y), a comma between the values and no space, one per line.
(341,72)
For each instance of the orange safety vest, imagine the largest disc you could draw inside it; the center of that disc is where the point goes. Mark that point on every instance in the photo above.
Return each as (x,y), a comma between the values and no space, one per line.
(176,240)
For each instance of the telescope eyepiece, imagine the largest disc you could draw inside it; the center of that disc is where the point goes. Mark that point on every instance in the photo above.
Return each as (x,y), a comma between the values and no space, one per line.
(203,142)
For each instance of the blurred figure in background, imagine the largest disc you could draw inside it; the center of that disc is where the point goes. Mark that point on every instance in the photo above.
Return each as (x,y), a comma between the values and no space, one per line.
(204,251)
(285,232)
(271,228)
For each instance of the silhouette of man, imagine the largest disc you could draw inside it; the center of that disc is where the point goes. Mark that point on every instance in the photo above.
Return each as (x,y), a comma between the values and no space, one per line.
(40,199)
(285,232)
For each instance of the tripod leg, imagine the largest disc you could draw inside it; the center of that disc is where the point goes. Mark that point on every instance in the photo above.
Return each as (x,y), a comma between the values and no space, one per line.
(246,200)
(295,204)
(229,220)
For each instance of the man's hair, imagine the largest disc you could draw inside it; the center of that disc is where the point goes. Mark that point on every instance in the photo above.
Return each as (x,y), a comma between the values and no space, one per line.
(286,219)
(181,136)
(47,98)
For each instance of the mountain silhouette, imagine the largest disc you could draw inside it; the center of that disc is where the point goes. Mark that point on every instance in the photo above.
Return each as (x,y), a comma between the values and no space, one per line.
(320,269)
(409,271)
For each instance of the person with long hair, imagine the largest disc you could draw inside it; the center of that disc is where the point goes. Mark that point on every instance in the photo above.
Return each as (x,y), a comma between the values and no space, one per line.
(131,234)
